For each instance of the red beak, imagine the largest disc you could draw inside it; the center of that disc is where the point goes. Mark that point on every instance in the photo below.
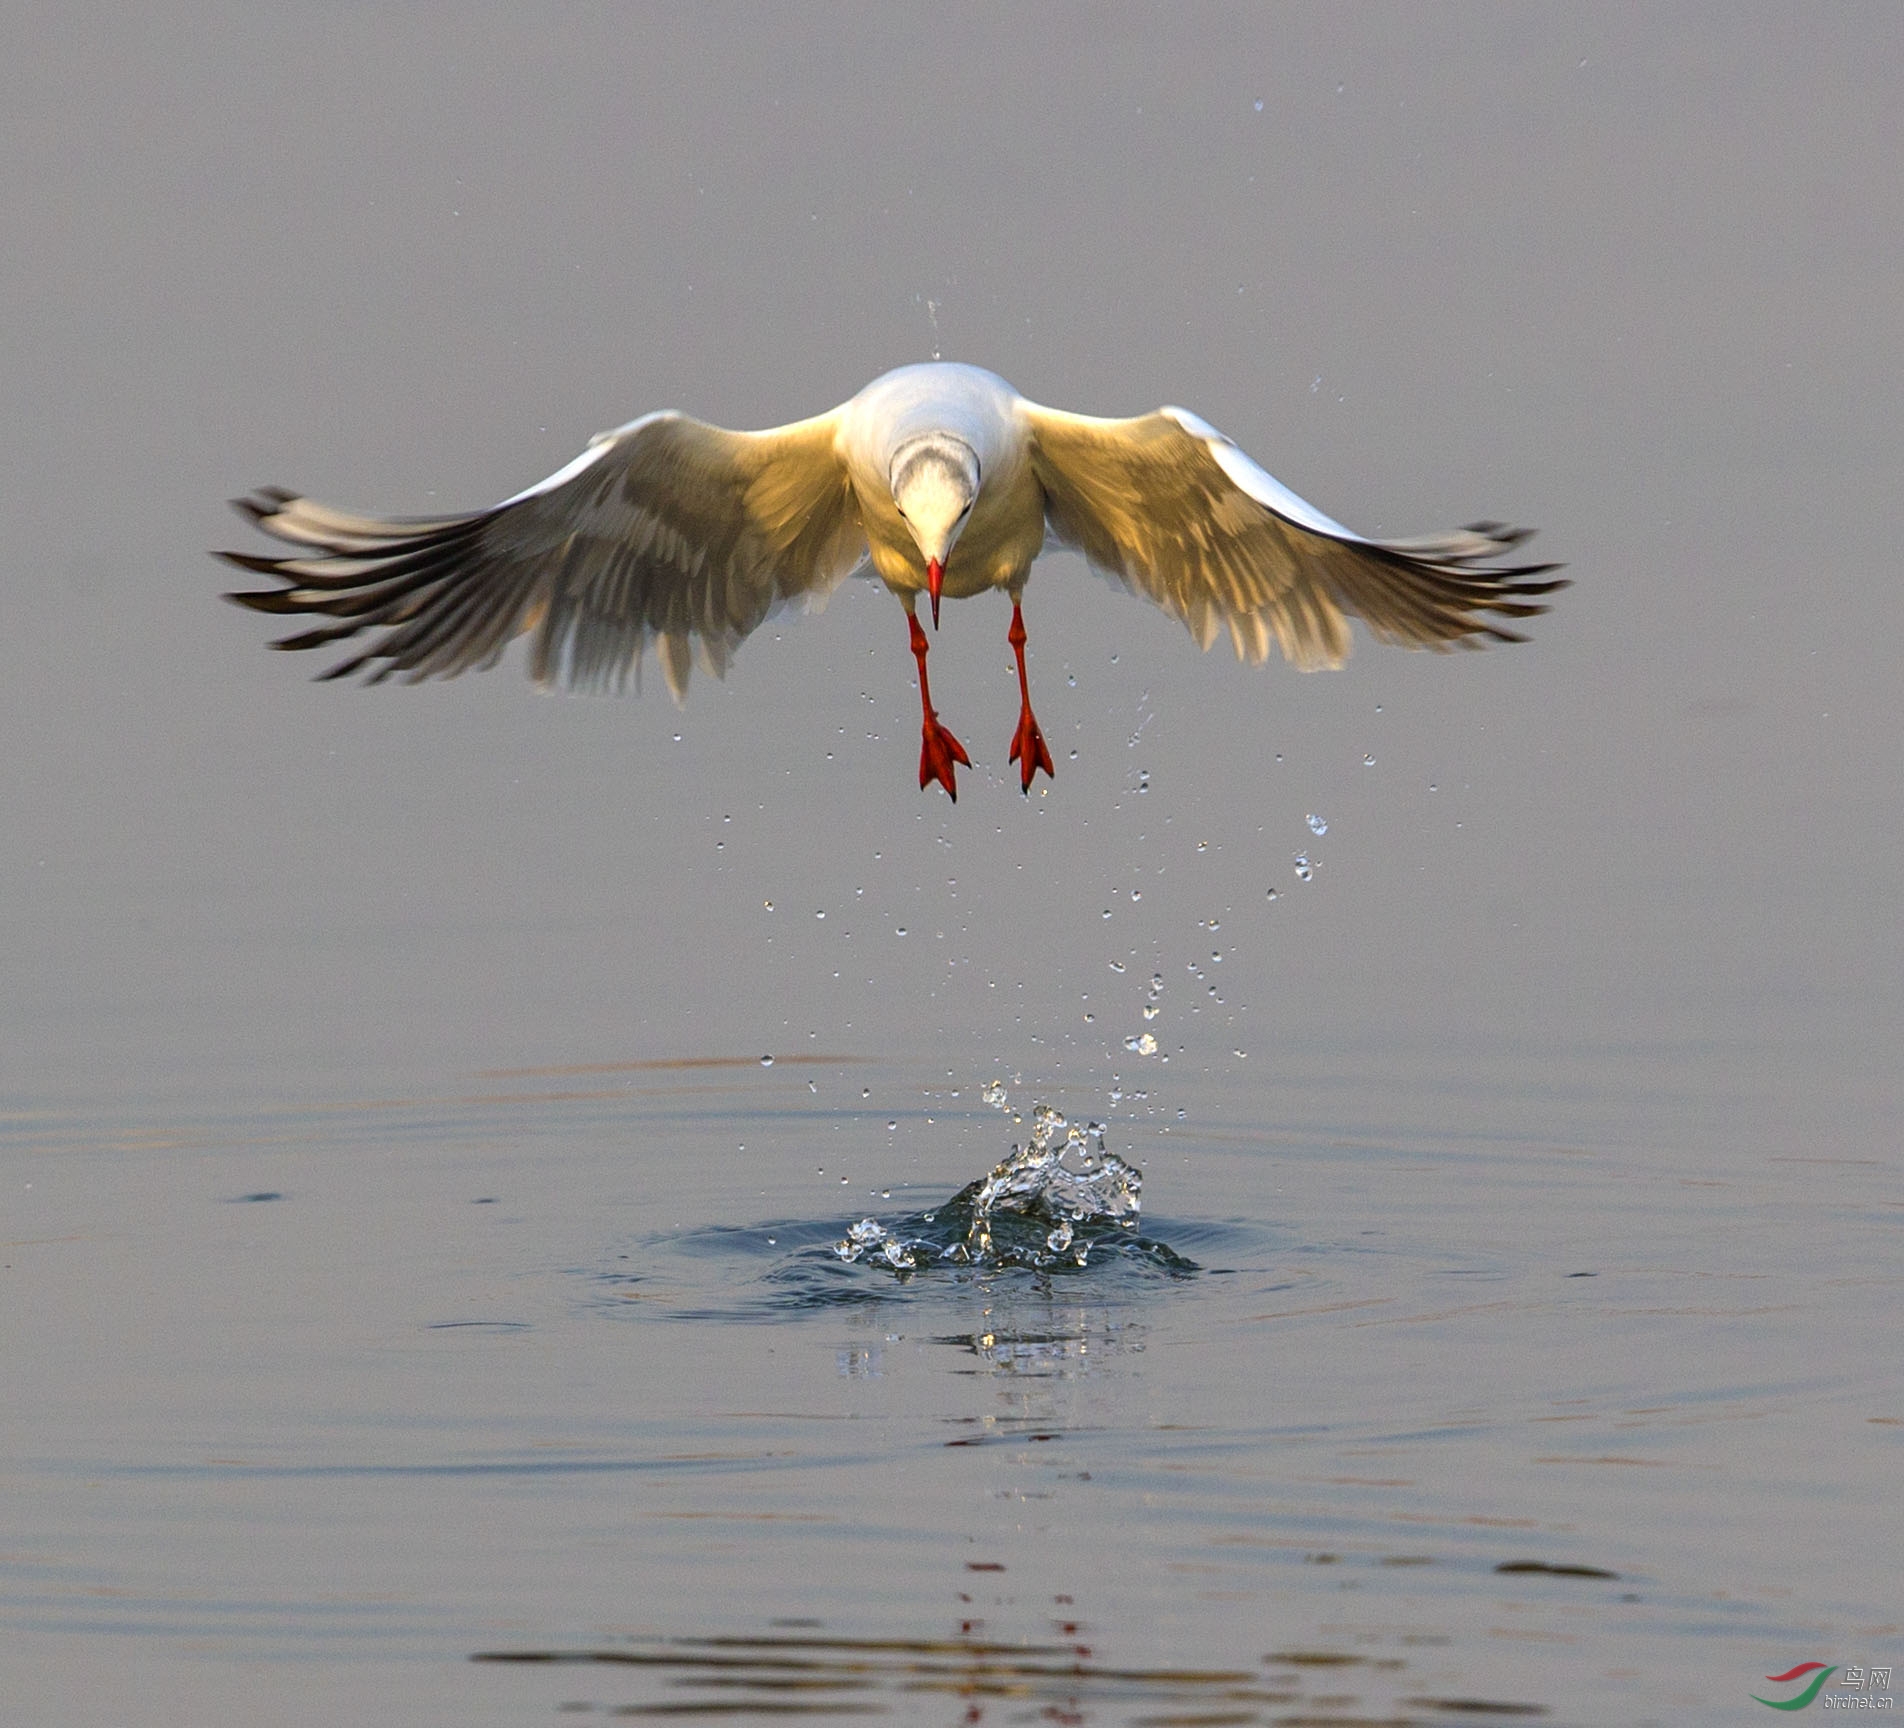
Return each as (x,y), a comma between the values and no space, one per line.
(935,580)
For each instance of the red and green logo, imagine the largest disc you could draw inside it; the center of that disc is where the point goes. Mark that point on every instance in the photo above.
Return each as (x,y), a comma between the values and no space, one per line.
(1820,1672)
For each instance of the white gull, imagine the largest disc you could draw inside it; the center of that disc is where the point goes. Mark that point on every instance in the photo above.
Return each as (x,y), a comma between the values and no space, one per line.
(941,475)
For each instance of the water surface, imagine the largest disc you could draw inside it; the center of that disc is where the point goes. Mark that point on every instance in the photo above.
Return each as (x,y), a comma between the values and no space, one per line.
(417,1300)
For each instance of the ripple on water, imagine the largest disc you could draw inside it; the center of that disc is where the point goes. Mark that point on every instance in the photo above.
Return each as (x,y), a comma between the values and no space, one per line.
(1058,1666)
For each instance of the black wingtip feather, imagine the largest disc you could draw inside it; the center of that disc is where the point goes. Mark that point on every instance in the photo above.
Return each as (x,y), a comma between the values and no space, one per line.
(1500,531)
(265,501)
(258,563)
(261,600)
(317,638)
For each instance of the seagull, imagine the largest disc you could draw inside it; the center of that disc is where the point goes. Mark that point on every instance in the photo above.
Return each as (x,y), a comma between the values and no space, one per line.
(941,476)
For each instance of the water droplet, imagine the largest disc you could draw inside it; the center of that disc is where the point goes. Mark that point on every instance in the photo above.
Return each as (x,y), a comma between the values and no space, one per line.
(899,930)
(1304,869)
(1137,893)
(769,904)
(1107,911)
(1151,1011)
(994,1094)
(1317,824)
(891,1127)
(819,914)
(1117,965)
(1368,761)
(1141,1044)
(766,1061)
(1272,894)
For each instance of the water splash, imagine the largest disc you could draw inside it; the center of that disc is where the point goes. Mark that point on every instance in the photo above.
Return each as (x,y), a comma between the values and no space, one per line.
(1046,1207)
(869,1236)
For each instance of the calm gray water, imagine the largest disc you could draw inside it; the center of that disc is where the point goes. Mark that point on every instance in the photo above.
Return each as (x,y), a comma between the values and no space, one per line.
(417,1296)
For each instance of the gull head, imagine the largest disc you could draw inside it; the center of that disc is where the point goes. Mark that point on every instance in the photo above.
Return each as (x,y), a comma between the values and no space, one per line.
(934,485)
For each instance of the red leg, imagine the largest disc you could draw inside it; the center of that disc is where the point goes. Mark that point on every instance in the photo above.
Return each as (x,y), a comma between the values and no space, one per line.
(1028,744)
(938,749)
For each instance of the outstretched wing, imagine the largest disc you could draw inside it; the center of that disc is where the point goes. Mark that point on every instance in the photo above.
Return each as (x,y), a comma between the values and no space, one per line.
(1169,505)
(667,529)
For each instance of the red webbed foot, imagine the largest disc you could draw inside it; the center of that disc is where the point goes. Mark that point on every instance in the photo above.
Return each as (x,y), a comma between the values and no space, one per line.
(1028,750)
(938,750)
(1028,743)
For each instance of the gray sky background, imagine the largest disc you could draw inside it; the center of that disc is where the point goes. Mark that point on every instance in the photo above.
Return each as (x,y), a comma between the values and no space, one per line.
(1629,274)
